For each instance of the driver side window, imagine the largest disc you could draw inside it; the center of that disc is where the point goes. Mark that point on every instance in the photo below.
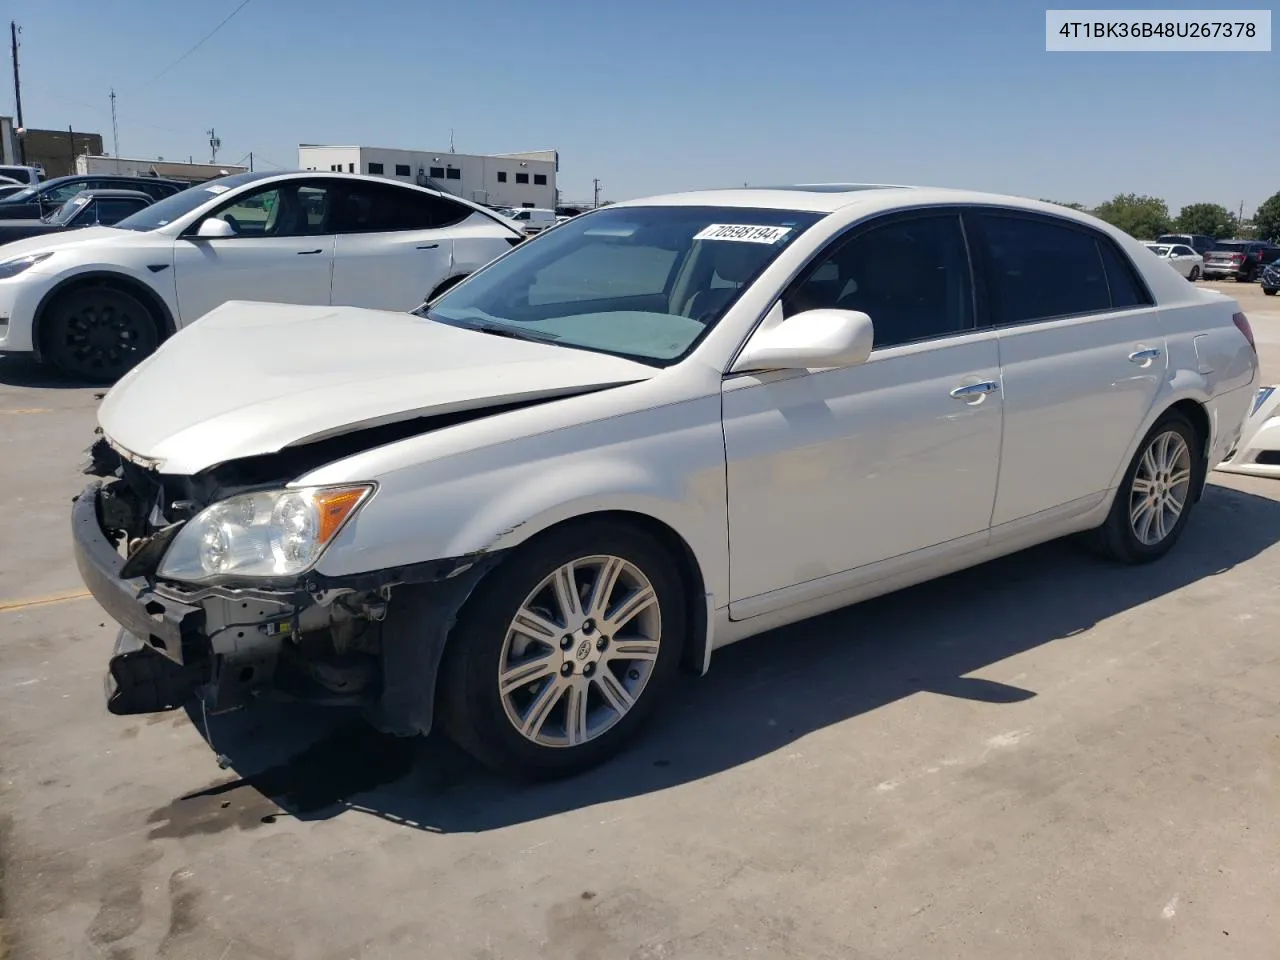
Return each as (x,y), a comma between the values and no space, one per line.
(284,210)
(911,276)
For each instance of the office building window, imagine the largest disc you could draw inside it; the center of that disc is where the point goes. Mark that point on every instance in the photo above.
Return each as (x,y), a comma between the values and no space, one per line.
(540,179)
(375,167)
(453,173)
(502,176)
(437,172)
(522,178)
(402,170)
(529,205)
(351,168)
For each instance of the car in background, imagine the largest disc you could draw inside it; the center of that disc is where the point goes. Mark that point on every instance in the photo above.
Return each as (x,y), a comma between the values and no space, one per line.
(534,219)
(88,208)
(650,432)
(1201,243)
(1179,256)
(1257,453)
(42,200)
(8,189)
(26,175)
(1242,260)
(97,301)
(1271,279)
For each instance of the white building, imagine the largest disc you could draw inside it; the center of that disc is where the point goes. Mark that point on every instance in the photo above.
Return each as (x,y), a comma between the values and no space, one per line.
(500,180)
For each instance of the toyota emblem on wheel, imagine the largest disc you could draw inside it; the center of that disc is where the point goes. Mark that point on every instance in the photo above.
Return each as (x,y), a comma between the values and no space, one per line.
(584,648)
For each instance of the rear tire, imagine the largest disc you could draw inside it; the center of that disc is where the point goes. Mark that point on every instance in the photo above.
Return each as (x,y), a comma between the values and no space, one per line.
(98,334)
(1195,274)
(1156,495)
(516,665)
(1269,293)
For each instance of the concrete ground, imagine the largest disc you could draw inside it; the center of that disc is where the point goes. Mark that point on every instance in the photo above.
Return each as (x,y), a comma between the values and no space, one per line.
(1044,757)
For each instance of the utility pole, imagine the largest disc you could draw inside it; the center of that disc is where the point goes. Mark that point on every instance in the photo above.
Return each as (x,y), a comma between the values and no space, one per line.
(115,130)
(251,161)
(596,181)
(214,144)
(17,90)
(71,135)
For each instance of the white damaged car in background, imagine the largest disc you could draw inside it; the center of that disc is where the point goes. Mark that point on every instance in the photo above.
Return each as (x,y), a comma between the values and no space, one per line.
(649,432)
(1258,453)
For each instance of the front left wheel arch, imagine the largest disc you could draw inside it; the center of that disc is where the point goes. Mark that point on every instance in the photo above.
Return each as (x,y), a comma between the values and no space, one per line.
(102,278)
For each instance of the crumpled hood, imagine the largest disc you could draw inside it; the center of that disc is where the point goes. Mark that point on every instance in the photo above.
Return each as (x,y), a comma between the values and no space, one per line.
(253,378)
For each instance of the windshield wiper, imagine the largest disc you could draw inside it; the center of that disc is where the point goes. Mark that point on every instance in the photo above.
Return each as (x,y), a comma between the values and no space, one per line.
(499,330)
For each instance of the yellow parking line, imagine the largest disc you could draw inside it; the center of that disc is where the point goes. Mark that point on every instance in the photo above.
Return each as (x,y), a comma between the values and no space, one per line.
(24,602)
(25,410)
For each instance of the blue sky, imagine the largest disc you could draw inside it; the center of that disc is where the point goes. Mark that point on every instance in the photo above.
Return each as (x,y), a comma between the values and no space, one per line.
(663,95)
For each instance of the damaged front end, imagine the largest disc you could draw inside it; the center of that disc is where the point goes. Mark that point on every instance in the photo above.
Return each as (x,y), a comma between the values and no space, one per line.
(372,640)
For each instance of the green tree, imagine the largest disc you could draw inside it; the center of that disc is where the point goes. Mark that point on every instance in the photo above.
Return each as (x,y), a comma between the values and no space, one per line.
(1267,219)
(1139,216)
(1211,219)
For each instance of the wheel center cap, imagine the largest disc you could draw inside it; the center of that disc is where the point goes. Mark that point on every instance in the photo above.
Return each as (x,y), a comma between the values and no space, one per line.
(584,650)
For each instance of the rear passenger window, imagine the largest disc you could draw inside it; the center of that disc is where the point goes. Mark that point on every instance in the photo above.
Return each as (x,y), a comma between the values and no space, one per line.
(1040,270)
(910,276)
(375,208)
(1127,289)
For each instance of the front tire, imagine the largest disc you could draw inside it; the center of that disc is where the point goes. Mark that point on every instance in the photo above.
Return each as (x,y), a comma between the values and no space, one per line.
(1156,495)
(1195,274)
(1269,293)
(98,334)
(563,651)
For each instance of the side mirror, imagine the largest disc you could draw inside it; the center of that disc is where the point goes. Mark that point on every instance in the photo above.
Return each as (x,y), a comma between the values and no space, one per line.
(814,339)
(214,229)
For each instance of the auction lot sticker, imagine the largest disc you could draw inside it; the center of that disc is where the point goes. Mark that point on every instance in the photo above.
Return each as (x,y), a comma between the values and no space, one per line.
(742,232)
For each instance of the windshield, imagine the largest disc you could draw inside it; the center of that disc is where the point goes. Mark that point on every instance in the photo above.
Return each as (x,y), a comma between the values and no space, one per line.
(644,283)
(164,212)
(69,209)
(1157,250)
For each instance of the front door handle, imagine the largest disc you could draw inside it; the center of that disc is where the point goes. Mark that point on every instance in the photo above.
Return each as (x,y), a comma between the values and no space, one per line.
(975,391)
(1144,357)
(307,253)
(427,246)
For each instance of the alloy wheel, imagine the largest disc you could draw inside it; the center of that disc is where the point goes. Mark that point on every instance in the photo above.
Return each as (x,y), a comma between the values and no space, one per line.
(1160,489)
(580,651)
(103,340)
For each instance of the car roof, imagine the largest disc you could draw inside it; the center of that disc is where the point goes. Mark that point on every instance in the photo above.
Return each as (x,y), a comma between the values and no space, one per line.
(830,197)
(114,192)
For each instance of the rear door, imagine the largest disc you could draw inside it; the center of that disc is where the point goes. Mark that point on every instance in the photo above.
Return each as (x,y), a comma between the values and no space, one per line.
(1081,358)
(393,244)
(282,251)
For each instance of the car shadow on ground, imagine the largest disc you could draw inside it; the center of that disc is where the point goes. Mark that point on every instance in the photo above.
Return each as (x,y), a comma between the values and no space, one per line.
(20,370)
(760,695)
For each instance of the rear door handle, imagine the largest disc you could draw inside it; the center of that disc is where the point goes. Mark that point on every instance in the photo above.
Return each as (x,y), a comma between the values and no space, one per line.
(1144,356)
(971,391)
(427,246)
(307,253)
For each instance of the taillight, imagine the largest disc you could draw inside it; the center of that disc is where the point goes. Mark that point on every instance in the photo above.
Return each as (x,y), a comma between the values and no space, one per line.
(1237,258)
(1242,324)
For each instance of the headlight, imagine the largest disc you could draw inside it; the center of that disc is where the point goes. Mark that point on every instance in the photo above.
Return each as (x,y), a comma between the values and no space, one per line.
(273,533)
(11,268)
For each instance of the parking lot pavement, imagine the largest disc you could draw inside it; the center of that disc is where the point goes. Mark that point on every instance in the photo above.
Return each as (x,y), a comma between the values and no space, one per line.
(1046,756)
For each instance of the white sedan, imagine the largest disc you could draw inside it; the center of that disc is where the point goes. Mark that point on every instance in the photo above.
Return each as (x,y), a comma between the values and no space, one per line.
(97,301)
(659,428)
(1182,258)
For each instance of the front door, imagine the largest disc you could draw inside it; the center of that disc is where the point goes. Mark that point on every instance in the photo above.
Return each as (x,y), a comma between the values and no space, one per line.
(1081,356)
(282,252)
(831,471)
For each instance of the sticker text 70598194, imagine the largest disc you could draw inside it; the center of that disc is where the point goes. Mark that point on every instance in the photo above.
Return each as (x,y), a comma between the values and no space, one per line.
(742,232)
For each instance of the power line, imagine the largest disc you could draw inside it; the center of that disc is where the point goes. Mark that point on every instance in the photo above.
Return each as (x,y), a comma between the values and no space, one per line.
(201,41)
